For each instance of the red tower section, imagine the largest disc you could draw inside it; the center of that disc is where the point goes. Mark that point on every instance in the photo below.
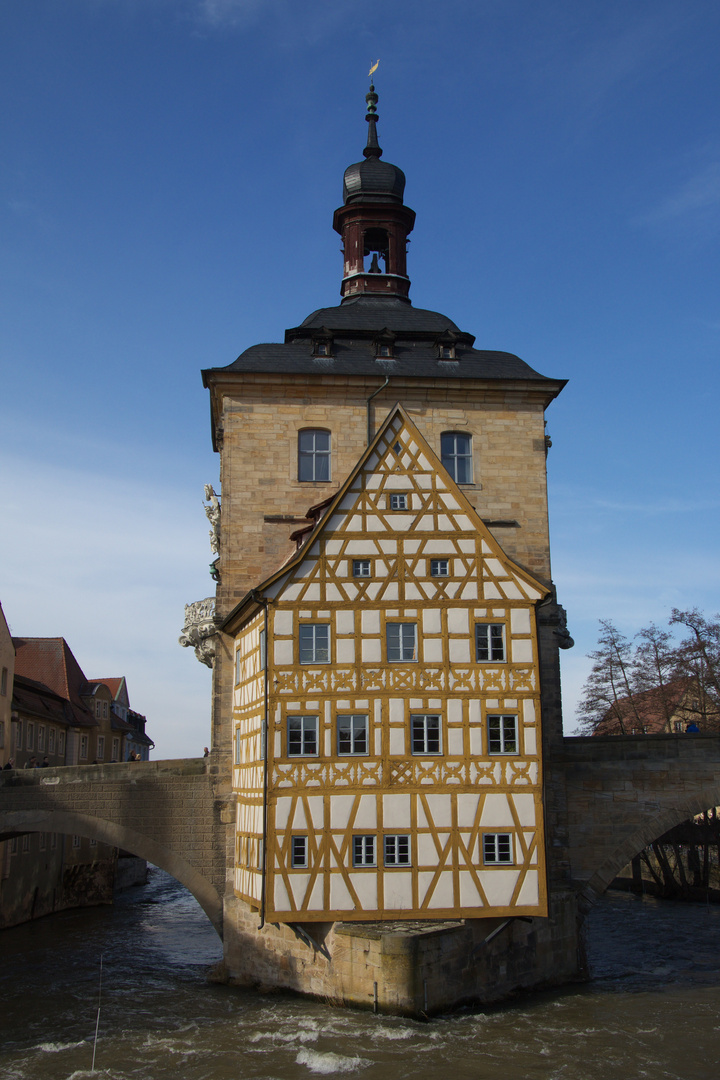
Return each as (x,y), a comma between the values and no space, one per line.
(374,222)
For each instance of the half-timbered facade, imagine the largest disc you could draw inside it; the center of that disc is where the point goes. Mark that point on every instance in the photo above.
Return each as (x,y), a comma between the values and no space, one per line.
(387,709)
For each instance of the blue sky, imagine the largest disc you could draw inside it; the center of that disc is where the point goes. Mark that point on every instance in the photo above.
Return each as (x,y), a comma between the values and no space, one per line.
(167,183)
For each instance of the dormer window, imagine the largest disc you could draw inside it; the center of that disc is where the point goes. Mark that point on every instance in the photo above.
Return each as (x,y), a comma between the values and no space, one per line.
(322,343)
(385,345)
(446,346)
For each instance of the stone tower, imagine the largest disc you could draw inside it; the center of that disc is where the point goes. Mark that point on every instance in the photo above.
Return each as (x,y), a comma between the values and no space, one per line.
(291,421)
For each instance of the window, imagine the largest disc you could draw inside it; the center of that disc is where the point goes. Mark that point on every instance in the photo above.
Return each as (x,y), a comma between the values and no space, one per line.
(115,749)
(352,734)
(502,734)
(401,641)
(314,643)
(456,454)
(238,662)
(83,746)
(361,568)
(302,736)
(447,352)
(439,568)
(497,847)
(30,736)
(41,738)
(398,502)
(76,841)
(43,841)
(101,748)
(397,850)
(19,735)
(14,845)
(489,642)
(104,705)
(298,851)
(425,734)
(98,707)
(61,744)
(53,841)
(263,650)
(93,843)
(363,851)
(313,456)
(26,842)
(51,740)
(4,682)
(238,745)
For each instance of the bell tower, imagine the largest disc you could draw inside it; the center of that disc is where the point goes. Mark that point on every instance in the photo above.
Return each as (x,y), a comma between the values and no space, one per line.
(373,221)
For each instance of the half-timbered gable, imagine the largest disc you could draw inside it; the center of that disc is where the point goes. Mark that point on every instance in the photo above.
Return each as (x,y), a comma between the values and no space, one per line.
(403,771)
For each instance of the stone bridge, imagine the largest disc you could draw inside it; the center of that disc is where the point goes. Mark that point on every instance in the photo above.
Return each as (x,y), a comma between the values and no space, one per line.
(624,791)
(621,792)
(168,812)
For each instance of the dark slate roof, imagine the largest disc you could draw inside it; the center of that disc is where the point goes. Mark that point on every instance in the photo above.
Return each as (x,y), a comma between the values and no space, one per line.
(356,323)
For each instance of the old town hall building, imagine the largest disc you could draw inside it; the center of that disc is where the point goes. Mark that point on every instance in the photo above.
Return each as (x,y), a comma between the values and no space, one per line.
(386,673)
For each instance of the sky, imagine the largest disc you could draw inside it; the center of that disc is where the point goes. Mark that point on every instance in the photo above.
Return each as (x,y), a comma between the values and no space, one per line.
(167,183)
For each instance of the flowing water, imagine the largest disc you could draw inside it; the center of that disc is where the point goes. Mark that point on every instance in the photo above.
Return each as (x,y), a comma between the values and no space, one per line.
(651,1010)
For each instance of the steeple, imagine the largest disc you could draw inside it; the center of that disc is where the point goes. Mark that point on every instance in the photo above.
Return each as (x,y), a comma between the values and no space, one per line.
(374,222)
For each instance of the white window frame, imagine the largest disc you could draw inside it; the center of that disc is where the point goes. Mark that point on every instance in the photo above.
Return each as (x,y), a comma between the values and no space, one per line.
(41,738)
(299,852)
(84,741)
(399,502)
(238,743)
(457,461)
(314,458)
(497,849)
(503,733)
(51,740)
(311,648)
(238,662)
(439,567)
(425,732)
(359,730)
(363,849)
(19,735)
(309,733)
(362,568)
(101,747)
(397,850)
(30,735)
(61,744)
(489,632)
(403,648)
(116,749)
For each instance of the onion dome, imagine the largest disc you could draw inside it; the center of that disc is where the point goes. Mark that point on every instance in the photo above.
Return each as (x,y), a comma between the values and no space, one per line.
(373,180)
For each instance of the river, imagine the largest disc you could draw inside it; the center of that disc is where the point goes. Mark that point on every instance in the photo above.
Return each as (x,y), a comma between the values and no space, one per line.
(652,1008)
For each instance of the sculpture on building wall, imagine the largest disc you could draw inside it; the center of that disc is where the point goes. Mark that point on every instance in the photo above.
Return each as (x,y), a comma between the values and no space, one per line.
(199,630)
(213,516)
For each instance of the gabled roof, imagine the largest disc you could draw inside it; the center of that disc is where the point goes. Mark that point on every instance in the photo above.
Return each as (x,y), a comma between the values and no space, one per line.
(117,687)
(50,661)
(398,457)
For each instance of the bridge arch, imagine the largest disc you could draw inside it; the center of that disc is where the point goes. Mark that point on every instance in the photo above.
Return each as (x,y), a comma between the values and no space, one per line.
(17,822)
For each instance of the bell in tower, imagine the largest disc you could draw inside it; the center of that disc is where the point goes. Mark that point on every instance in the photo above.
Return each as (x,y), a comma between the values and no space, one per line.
(374,222)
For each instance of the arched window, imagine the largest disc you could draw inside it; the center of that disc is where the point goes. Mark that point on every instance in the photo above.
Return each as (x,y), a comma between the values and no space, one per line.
(313,455)
(456,454)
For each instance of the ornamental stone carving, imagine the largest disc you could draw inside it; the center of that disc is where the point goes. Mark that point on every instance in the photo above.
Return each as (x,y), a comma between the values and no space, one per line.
(213,516)
(199,630)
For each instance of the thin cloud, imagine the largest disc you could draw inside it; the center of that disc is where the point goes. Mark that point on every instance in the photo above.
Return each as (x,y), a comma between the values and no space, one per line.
(697,195)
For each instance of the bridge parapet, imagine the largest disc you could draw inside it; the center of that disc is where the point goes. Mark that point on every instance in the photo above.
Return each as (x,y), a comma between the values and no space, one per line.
(623,791)
(168,812)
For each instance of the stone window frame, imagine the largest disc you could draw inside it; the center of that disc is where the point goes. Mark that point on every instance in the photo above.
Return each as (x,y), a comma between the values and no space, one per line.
(455,460)
(503,733)
(318,458)
(497,849)
(487,630)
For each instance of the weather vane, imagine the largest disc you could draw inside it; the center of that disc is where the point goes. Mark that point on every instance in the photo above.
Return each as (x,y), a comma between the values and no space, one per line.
(373,68)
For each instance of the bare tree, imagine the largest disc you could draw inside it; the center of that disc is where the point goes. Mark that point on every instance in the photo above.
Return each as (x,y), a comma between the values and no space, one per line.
(609,692)
(655,672)
(698,661)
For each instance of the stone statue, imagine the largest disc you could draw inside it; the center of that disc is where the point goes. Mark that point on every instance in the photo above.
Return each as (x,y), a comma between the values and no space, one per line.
(213,516)
(199,630)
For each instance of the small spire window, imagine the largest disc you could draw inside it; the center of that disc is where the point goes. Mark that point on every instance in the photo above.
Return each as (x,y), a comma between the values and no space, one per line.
(385,345)
(322,343)
(446,346)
